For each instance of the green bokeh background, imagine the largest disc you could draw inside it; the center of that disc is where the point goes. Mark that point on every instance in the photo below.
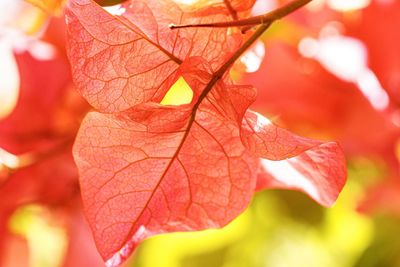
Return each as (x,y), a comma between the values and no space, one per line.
(286,228)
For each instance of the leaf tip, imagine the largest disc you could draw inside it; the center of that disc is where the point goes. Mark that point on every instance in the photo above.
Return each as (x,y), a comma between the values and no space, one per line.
(120,256)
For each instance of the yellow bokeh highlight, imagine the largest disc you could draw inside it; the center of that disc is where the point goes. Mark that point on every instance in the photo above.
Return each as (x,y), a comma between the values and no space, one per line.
(52,7)
(266,236)
(47,243)
(32,16)
(179,94)
(172,247)
(30,20)
(398,149)
(348,231)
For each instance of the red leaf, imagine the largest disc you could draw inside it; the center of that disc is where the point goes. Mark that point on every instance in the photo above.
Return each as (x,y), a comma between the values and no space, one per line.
(314,167)
(154,169)
(138,181)
(150,168)
(240,5)
(126,61)
(268,141)
(383,197)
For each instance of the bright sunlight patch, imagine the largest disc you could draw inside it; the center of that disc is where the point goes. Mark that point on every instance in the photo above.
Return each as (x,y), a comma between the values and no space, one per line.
(179,94)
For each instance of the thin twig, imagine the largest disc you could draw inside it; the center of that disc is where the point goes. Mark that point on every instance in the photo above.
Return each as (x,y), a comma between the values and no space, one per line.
(253,21)
(231,10)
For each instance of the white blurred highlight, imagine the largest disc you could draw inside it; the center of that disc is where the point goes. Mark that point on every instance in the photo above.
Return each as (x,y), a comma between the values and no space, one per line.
(315,5)
(9,160)
(253,58)
(187,2)
(262,6)
(262,121)
(284,172)
(370,86)
(340,5)
(348,5)
(42,51)
(8,11)
(116,10)
(9,81)
(343,56)
(346,58)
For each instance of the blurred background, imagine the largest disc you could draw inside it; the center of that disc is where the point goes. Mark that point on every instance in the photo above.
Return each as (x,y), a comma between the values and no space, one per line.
(331,71)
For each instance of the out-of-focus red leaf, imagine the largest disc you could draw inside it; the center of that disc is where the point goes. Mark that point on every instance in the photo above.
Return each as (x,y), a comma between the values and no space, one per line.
(383,198)
(40,95)
(41,183)
(81,248)
(121,61)
(56,34)
(41,128)
(14,250)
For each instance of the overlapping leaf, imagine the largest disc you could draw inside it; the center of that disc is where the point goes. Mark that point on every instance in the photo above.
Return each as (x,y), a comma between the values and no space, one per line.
(290,161)
(148,168)
(126,60)
(157,169)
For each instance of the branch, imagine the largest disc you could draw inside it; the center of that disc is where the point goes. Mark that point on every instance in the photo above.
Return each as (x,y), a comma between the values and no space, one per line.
(231,10)
(271,17)
(221,71)
(267,18)
(215,78)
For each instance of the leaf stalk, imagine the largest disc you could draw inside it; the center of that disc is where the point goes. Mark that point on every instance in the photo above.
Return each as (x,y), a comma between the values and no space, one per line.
(269,17)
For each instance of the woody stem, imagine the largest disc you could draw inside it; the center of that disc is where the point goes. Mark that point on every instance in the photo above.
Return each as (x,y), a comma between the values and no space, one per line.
(231,10)
(257,20)
(221,71)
